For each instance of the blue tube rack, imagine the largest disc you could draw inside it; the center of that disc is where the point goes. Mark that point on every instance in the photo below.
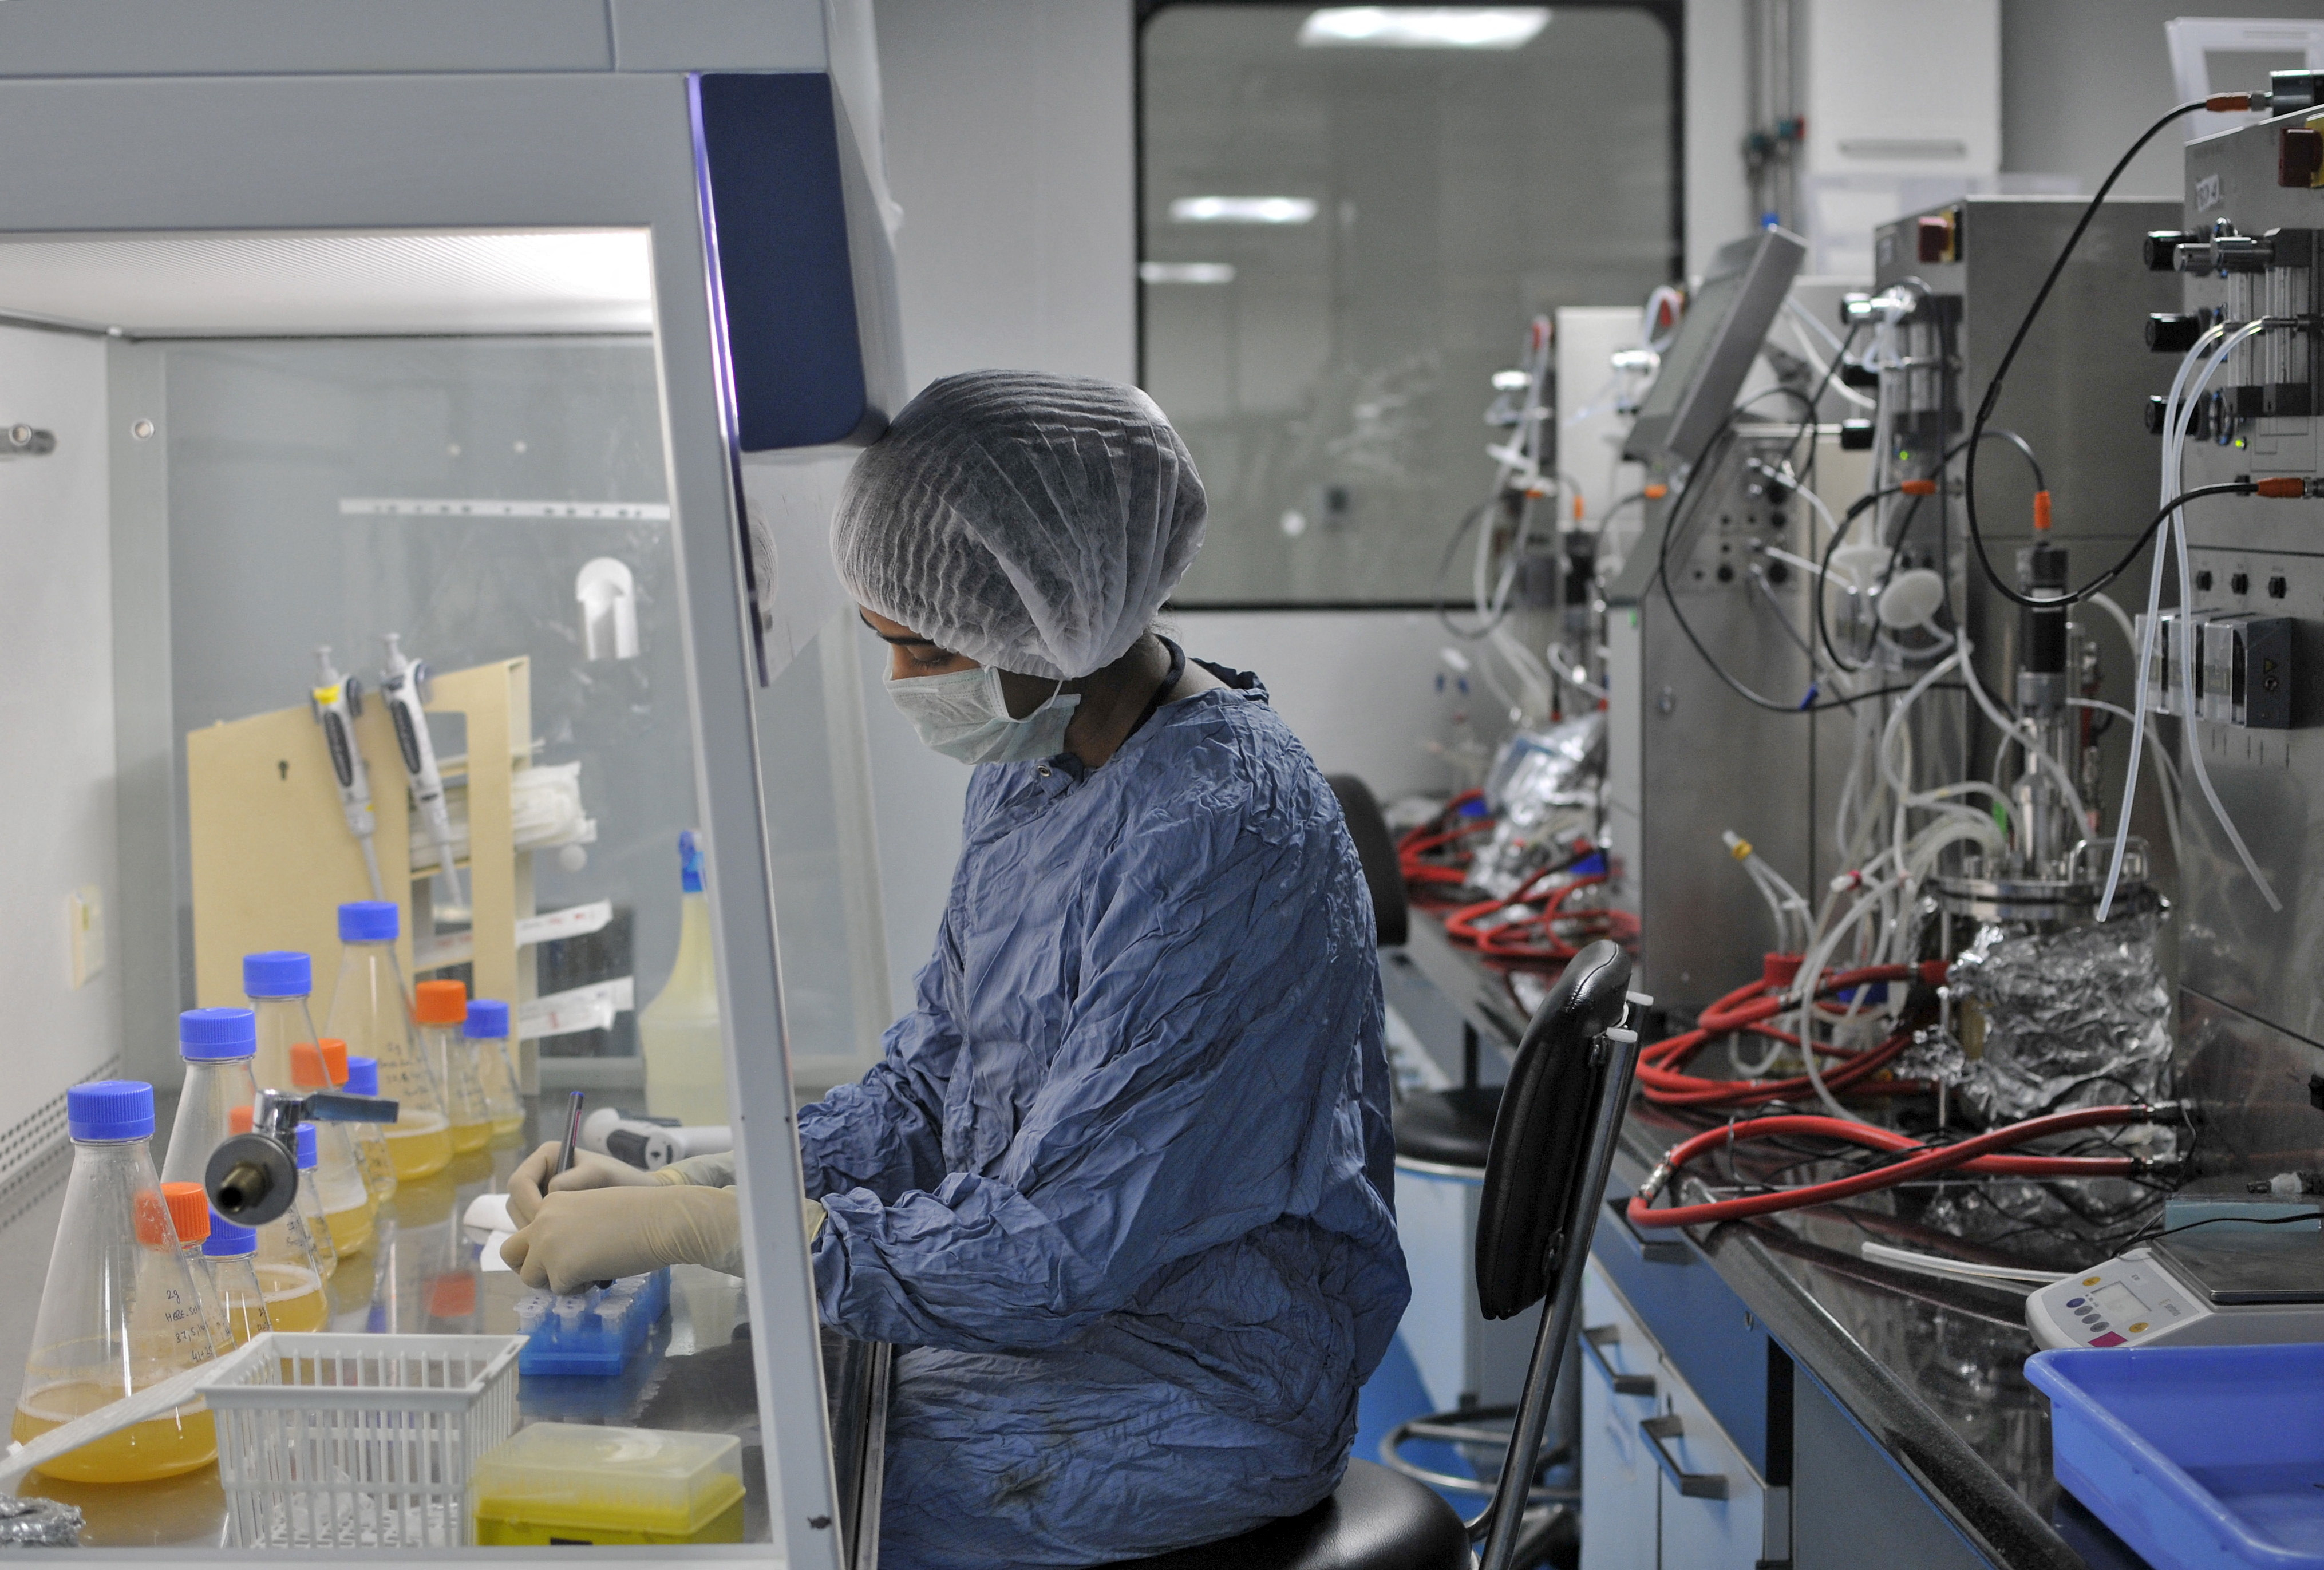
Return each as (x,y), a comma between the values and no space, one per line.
(592,1333)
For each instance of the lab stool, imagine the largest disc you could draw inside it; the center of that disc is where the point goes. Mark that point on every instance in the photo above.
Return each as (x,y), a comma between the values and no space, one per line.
(1544,1179)
(1374,1520)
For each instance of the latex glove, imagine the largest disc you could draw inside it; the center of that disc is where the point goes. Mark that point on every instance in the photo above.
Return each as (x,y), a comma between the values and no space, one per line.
(590,1170)
(575,1238)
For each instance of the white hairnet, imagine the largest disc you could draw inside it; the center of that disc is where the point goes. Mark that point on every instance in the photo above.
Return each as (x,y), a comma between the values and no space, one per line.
(1031,522)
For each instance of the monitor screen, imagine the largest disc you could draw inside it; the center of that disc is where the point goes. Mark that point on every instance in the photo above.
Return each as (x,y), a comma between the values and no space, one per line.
(1703,369)
(1698,330)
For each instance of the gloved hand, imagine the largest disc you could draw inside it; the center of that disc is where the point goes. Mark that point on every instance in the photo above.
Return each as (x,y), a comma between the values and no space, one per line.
(590,1170)
(599,1234)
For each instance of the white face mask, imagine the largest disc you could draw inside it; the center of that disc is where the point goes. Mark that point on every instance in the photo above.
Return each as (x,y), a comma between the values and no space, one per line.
(963,714)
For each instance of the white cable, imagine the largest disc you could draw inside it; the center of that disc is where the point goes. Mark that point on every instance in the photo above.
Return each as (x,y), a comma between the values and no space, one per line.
(2023,731)
(1938,1265)
(1825,377)
(2145,649)
(2195,749)
(2176,426)
(2121,618)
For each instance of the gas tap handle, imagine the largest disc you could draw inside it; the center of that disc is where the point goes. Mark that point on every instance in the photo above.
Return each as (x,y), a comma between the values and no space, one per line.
(331,1107)
(280,1115)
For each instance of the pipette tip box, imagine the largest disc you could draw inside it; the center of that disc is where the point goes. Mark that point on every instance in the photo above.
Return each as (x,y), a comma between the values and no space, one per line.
(556,1483)
(592,1333)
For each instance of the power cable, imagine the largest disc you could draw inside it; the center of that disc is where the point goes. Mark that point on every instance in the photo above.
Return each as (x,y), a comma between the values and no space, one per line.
(2009,591)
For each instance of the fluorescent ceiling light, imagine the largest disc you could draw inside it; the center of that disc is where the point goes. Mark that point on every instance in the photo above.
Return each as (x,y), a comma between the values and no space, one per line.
(1423,26)
(1185,272)
(1227,209)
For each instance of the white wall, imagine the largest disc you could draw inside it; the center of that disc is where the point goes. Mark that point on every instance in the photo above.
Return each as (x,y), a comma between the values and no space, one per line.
(2079,83)
(56,711)
(1008,136)
(1009,133)
(1358,688)
(1718,199)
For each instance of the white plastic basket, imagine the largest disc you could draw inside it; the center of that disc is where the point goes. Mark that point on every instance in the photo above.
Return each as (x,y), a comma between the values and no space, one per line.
(358,1440)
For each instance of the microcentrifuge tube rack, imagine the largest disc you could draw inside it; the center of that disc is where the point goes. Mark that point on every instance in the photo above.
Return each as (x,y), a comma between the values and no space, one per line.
(592,1333)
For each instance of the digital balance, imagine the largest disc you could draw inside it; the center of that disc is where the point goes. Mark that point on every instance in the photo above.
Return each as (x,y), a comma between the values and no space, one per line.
(2225,1287)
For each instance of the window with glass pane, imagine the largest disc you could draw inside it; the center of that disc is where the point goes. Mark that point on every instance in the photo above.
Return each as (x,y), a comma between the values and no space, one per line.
(1349,217)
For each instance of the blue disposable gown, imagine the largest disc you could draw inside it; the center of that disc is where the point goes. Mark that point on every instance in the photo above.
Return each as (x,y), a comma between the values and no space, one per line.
(1121,1183)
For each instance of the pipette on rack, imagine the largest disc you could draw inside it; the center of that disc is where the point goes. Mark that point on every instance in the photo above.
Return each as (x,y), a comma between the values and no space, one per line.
(338,703)
(404,689)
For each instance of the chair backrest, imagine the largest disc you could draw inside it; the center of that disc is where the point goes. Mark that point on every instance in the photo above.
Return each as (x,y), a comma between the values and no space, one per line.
(1376,849)
(1541,1136)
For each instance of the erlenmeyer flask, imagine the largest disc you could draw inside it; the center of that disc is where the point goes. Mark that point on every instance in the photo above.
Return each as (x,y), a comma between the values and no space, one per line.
(371,1013)
(440,1008)
(487,1030)
(346,1203)
(291,1272)
(118,1311)
(278,985)
(309,1202)
(217,1045)
(189,1217)
(370,1139)
(230,1252)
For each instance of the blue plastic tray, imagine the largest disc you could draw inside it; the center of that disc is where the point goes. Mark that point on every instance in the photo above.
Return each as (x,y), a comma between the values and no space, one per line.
(2196,1457)
(591,1349)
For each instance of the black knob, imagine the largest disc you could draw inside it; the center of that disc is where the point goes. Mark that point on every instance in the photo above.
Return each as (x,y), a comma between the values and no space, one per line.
(2158,245)
(1852,374)
(2203,579)
(1856,436)
(2277,587)
(2154,411)
(250,1179)
(2172,332)
(2239,582)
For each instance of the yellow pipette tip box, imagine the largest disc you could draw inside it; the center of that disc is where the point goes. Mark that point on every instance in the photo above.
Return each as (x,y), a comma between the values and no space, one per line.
(568,1482)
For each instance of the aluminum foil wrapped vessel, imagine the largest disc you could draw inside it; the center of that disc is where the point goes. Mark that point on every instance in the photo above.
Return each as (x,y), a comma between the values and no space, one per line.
(38,1523)
(1542,792)
(2078,1016)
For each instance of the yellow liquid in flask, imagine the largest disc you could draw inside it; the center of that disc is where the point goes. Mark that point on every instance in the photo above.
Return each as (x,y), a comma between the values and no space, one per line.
(295,1299)
(350,1228)
(420,1145)
(164,1447)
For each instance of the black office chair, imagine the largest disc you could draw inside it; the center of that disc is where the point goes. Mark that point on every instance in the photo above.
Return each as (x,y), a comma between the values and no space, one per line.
(1375,851)
(1544,1180)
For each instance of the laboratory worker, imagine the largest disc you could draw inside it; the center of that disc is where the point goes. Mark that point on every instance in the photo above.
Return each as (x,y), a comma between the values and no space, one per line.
(1120,1185)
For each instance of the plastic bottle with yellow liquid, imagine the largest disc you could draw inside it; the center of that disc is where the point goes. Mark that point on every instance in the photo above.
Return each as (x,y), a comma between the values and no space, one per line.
(343,1198)
(230,1252)
(189,1216)
(678,1036)
(217,1045)
(290,1265)
(370,1139)
(487,1030)
(440,1008)
(118,1310)
(371,1013)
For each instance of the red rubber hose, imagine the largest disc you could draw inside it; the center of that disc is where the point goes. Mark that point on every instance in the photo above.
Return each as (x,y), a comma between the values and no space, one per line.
(1977,1154)
(1746,1009)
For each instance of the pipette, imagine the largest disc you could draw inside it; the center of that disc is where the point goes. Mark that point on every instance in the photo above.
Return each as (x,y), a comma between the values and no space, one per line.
(404,689)
(338,703)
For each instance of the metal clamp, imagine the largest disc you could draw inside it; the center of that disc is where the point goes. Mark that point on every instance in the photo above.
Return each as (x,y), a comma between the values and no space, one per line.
(1691,1485)
(1594,1339)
